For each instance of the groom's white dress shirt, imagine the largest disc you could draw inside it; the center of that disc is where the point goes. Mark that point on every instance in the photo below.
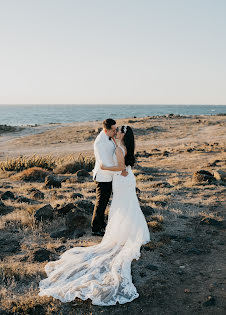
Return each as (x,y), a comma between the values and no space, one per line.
(103,151)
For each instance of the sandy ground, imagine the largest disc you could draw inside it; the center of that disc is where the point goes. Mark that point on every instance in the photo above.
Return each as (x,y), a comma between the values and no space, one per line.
(61,139)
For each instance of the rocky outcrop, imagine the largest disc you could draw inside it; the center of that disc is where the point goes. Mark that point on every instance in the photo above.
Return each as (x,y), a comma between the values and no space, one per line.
(76,222)
(203,177)
(42,254)
(6,128)
(76,195)
(147,210)
(44,213)
(85,205)
(76,219)
(36,193)
(220,175)
(25,200)
(9,245)
(82,173)
(63,210)
(52,182)
(5,209)
(7,195)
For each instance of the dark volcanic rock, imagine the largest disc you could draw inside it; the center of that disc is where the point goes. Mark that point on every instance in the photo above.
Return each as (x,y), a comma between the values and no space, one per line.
(91,191)
(7,195)
(2,205)
(85,205)
(68,233)
(35,193)
(76,195)
(220,175)
(78,233)
(61,233)
(149,246)
(147,210)
(64,209)
(143,154)
(188,239)
(82,173)
(142,274)
(4,209)
(161,185)
(61,248)
(182,216)
(165,153)
(25,199)
(7,128)
(194,251)
(152,267)
(44,213)
(203,177)
(41,255)
(211,221)
(76,219)
(52,182)
(211,301)
(160,203)
(214,163)
(8,245)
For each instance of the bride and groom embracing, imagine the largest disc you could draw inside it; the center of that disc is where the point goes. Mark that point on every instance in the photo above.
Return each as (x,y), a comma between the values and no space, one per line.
(102,272)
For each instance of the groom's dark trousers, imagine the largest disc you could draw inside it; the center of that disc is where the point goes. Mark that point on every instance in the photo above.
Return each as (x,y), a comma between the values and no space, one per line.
(103,193)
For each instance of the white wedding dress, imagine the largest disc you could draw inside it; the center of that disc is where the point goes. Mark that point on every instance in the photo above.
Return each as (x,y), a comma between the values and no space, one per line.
(103,272)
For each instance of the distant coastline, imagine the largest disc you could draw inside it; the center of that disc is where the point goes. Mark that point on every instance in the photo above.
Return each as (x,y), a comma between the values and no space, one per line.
(35,115)
(76,137)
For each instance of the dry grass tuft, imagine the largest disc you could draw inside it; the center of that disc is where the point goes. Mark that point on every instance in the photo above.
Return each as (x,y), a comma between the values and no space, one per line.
(30,304)
(175,181)
(60,165)
(155,226)
(22,162)
(32,174)
(160,198)
(157,217)
(18,270)
(82,162)
(19,218)
(143,178)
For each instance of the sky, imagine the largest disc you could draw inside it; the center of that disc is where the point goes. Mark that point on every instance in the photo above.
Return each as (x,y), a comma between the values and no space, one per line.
(113,52)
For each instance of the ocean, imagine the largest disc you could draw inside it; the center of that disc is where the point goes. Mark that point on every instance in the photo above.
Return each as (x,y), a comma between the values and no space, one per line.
(18,115)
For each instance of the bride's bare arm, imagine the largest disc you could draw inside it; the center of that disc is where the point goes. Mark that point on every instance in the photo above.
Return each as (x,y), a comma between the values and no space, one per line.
(121,162)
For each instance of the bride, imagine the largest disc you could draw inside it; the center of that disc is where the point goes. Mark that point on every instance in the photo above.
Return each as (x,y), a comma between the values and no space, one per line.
(102,272)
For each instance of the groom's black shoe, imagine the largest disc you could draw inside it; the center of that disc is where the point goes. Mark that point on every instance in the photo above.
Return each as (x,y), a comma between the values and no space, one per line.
(98,233)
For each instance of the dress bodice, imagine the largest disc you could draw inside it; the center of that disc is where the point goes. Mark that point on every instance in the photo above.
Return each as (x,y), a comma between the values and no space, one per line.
(123,151)
(116,161)
(115,157)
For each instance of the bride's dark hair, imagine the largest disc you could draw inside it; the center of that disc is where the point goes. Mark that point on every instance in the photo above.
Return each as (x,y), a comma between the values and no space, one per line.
(129,144)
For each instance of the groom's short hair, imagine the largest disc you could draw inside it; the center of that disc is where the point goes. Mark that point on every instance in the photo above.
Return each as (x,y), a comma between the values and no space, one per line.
(107,123)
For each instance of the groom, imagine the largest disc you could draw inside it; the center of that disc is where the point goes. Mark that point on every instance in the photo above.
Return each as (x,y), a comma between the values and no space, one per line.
(104,148)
